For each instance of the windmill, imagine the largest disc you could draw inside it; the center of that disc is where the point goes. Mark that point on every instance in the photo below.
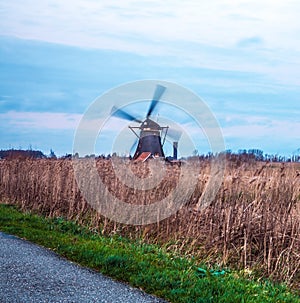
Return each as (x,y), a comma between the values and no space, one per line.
(150,135)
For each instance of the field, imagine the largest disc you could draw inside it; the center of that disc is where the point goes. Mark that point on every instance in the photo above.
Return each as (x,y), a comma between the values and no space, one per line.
(253,223)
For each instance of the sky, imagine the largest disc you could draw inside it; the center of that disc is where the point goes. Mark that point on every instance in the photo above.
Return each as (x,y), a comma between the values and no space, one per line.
(242,58)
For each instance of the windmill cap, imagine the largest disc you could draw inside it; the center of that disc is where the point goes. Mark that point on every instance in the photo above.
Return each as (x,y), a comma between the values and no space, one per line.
(148,123)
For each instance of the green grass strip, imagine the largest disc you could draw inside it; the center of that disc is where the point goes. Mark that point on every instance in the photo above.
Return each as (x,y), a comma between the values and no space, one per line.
(145,266)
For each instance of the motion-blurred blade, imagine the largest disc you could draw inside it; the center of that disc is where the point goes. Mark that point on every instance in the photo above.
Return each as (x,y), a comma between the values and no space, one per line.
(117,112)
(157,95)
(133,147)
(174,134)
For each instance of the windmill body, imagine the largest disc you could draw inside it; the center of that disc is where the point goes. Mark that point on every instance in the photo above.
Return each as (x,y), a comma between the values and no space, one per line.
(149,139)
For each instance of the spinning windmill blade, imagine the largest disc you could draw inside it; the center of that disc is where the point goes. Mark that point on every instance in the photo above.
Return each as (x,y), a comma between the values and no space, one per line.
(174,134)
(133,146)
(117,112)
(149,133)
(156,97)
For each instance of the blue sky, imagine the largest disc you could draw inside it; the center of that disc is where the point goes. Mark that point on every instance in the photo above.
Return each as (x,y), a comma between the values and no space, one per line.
(241,57)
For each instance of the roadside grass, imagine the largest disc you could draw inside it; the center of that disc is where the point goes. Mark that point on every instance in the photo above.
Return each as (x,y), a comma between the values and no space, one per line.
(145,266)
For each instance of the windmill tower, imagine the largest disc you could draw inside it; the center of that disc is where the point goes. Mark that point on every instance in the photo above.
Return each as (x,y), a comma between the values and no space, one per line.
(151,136)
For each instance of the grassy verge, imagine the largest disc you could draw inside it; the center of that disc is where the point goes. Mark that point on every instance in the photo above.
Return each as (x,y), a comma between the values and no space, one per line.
(146,266)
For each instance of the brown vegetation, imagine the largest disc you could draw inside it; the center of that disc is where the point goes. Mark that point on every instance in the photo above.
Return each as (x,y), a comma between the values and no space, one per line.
(252,223)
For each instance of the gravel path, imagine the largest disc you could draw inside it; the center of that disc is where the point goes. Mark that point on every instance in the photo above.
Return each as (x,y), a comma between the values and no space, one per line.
(30,273)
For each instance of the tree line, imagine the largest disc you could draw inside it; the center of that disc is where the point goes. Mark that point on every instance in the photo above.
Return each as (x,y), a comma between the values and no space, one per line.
(240,155)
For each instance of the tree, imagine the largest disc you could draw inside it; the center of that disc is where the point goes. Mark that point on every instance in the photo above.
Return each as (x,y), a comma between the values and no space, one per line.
(52,154)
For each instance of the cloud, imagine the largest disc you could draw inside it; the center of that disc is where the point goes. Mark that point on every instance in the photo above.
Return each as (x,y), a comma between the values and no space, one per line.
(40,120)
(251,42)
(213,23)
(241,57)
(260,127)
(39,130)
(208,34)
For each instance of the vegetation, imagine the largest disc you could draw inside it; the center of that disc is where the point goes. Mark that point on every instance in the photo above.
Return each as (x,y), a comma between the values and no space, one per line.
(153,268)
(21,154)
(253,223)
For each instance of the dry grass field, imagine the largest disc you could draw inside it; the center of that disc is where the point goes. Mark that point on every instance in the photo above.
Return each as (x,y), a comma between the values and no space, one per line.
(253,223)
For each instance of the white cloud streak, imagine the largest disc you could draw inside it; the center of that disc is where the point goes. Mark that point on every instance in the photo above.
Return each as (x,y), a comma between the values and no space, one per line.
(40,120)
(255,36)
